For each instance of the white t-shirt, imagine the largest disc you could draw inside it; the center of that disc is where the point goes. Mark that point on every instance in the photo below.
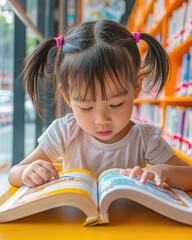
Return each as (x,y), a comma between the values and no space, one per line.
(143,144)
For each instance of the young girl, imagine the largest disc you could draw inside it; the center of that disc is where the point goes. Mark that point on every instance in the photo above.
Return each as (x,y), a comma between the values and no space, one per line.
(99,71)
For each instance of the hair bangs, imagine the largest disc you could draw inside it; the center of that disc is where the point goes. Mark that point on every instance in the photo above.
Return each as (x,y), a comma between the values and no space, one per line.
(102,63)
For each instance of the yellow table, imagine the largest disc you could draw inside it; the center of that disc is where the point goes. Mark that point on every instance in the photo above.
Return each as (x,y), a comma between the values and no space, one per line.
(129,220)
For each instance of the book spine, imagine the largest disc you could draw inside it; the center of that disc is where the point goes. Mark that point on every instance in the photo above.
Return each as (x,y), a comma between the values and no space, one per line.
(183,77)
(178,128)
(92,221)
(185,74)
(179,26)
(149,113)
(190,73)
(188,21)
(189,153)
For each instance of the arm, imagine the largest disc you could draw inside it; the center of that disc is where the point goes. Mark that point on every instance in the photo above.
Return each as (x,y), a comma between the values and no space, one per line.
(174,172)
(34,170)
(179,174)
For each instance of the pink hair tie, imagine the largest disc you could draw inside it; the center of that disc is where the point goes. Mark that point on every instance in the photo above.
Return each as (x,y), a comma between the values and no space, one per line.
(59,41)
(136,35)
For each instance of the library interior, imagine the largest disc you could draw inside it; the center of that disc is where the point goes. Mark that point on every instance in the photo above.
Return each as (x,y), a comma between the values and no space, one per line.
(26,24)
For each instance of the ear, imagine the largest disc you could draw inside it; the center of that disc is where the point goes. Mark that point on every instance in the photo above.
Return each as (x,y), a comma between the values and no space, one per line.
(138,87)
(62,91)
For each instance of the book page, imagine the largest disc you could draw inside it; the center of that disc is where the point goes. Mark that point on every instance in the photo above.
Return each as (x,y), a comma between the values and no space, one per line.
(112,180)
(70,181)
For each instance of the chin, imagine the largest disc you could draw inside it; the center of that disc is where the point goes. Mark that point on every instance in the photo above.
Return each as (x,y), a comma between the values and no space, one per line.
(108,140)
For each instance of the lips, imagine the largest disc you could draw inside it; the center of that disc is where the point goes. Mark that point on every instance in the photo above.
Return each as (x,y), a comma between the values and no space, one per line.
(104,133)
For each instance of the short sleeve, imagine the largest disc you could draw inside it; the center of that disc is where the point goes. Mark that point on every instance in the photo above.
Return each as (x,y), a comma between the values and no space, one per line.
(53,139)
(157,150)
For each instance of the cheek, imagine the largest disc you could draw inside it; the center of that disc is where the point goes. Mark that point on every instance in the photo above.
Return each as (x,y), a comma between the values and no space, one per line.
(78,115)
(124,114)
(82,118)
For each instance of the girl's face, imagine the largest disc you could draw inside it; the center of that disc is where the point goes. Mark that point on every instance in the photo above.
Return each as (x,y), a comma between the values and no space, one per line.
(106,120)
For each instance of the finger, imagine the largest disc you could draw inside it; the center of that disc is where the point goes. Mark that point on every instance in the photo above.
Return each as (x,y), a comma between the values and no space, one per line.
(158,180)
(125,171)
(36,178)
(29,182)
(135,172)
(146,176)
(44,173)
(49,166)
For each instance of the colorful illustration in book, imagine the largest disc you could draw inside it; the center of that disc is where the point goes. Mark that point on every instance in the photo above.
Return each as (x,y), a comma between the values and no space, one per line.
(115,180)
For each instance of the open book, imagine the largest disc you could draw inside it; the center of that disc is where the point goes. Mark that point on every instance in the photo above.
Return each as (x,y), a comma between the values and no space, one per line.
(80,188)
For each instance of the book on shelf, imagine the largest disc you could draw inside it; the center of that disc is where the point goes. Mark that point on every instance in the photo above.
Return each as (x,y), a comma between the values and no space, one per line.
(179,25)
(80,188)
(148,113)
(183,80)
(178,128)
(190,73)
(187,133)
(188,21)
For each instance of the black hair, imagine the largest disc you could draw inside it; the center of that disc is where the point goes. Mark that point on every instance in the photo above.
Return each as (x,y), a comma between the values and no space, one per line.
(92,51)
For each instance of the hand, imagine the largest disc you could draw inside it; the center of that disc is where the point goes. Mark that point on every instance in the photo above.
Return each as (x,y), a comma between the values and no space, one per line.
(38,172)
(155,173)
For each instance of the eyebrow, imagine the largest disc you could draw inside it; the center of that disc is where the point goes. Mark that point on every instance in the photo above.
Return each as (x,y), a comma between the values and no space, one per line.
(120,94)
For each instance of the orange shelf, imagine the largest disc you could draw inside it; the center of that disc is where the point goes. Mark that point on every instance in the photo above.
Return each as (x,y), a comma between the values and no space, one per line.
(181,49)
(147,10)
(167,100)
(147,100)
(178,99)
(183,156)
(155,29)
(176,4)
(169,97)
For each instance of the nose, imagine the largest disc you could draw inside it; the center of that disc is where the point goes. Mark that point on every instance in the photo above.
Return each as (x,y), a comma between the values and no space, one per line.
(102,118)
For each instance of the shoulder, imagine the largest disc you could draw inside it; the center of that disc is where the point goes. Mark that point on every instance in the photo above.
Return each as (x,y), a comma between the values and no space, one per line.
(156,149)
(67,124)
(147,130)
(149,135)
(65,128)
(66,120)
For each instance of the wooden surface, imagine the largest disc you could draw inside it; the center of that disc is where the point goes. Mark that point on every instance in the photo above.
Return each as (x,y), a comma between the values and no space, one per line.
(129,220)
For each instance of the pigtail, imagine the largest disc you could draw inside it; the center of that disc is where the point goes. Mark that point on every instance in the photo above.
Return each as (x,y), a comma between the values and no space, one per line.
(35,72)
(156,64)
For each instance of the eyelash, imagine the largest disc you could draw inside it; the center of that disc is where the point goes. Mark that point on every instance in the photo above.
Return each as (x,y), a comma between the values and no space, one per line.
(86,109)
(118,105)
(112,106)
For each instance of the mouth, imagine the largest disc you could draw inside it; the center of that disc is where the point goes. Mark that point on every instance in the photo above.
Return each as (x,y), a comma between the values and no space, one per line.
(104,133)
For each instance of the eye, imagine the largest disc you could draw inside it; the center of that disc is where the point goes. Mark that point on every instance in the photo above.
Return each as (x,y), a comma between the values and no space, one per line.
(116,105)
(86,109)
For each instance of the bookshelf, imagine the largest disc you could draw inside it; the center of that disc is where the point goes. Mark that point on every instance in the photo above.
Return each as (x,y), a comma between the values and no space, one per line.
(170,22)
